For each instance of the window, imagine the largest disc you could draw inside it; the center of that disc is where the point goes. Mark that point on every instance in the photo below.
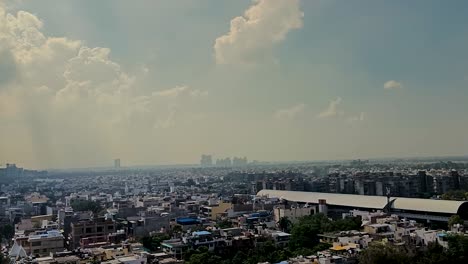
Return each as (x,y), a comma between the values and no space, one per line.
(99,229)
(36,244)
(88,230)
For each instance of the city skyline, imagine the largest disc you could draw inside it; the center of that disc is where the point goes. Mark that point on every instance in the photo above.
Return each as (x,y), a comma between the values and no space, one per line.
(162,82)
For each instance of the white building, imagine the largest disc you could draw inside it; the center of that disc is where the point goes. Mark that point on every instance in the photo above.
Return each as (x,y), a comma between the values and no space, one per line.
(293,213)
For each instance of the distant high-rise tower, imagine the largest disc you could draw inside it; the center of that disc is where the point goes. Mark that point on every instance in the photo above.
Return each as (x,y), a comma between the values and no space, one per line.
(117,163)
(455,179)
(224,162)
(206,160)
(423,181)
(239,161)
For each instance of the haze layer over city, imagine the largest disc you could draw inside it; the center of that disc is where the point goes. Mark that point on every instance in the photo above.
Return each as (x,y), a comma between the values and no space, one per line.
(160,82)
(233,132)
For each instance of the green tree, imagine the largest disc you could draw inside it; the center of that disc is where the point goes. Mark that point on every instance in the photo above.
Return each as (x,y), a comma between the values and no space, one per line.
(7,232)
(455,219)
(226,223)
(239,258)
(203,256)
(304,233)
(285,224)
(280,255)
(349,223)
(177,229)
(380,253)
(434,254)
(458,195)
(154,242)
(311,251)
(458,248)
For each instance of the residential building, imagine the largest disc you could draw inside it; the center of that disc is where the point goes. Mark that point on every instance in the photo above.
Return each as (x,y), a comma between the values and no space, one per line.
(41,243)
(88,233)
(293,212)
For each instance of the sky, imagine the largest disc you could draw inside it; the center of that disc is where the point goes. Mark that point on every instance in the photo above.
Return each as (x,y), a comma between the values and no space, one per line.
(161,82)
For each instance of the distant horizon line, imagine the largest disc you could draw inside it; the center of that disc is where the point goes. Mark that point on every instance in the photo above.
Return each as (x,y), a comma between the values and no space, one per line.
(258,162)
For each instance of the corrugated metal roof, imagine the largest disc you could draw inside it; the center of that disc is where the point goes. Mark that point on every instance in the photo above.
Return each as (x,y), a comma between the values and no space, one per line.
(350,200)
(427,205)
(367,201)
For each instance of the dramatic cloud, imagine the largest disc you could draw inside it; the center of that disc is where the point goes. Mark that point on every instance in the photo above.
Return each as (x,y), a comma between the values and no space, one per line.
(290,113)
(74,100)
(392,85)
(252,35)
(332,110)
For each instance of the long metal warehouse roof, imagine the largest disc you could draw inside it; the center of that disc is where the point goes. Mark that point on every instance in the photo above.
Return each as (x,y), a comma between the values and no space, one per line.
(370,202)
(427,205)
(350,200)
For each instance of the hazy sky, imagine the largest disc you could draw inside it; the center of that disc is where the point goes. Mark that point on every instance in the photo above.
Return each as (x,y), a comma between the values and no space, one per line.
(161,82)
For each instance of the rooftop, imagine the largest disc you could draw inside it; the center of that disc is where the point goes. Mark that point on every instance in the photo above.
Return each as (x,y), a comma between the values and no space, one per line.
(349,200)
(370,202)
(201,233)
(48,234)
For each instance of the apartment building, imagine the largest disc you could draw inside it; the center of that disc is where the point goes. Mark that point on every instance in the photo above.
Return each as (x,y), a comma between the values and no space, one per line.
(42,243)
(92,232)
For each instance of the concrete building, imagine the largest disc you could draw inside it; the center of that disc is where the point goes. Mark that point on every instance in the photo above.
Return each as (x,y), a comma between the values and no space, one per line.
(42,243)
(143,226)
(174,247)
(293,213)
(380,182)
(117,163)
(216,211)
(203,239)
(281,239)
(206,161)
(87,233)
(13,172)
(239,162)
(226,162)
(355,239)
(38,220)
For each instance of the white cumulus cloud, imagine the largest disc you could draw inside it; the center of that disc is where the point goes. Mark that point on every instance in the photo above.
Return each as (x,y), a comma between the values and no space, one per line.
(252,35)
(291,112)
(64,99)
(356,118)
(332,110)
(392,85)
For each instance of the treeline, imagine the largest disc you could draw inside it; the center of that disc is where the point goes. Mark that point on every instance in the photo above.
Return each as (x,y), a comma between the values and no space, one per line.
(457,195)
